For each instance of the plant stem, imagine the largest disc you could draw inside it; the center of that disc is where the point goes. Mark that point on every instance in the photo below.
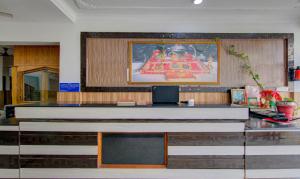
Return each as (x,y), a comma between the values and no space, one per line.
(243,57)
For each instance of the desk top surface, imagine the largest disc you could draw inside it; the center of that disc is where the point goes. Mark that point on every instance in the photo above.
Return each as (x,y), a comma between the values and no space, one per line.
(137,106)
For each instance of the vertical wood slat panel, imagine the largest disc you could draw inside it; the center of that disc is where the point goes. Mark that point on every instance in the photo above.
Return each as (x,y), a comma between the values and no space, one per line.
(36,55)
(114,97)
(107,61)
(30,58)
(206,98)
(104,97)
(263,54)
(144,97)
(68,97)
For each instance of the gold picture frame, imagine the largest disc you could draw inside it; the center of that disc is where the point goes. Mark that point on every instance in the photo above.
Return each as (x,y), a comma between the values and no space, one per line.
(187,63)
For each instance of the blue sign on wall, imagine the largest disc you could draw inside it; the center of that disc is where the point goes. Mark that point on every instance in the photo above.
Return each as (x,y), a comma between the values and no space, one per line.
(69,87)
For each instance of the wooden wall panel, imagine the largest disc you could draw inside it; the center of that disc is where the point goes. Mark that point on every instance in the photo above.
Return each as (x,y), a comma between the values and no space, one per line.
(36,56)
(266,57)
(107,61)
(30,58)
(113,97)
(146,97)
(104,97)
(206,98)
(69,97)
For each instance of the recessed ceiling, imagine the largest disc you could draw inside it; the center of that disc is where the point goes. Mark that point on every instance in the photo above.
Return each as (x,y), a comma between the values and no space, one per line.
(246,11)
(31,11)
(207,4)
(158,11)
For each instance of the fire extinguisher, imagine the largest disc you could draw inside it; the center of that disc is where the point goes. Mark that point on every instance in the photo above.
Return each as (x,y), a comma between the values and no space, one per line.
(294,73)
(297,73)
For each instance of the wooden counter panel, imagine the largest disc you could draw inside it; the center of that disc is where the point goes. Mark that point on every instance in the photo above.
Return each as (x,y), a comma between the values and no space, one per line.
(58,138)
(9,161)
(272,138)
(9,138)
(206,139)
(57,161)
(273,162)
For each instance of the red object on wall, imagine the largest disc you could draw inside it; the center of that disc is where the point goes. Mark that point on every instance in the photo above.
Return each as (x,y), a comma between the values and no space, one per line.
(297,73)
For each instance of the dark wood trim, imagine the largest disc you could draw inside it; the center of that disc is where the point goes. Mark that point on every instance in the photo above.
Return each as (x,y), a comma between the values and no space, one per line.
(205,162)
(272,138)
(289,37)
(9,138)
(272,162)
(206,139)
(58,161)
(83,38)
(58,138)
(117,89)
(9,161)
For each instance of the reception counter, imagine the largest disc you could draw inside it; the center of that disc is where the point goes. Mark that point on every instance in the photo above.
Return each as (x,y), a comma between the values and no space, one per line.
(210,141)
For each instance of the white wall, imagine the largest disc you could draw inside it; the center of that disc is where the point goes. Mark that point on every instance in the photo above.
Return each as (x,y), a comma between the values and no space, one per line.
(68,35)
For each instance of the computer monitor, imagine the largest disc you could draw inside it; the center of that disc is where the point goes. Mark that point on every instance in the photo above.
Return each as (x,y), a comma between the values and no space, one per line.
(165,94)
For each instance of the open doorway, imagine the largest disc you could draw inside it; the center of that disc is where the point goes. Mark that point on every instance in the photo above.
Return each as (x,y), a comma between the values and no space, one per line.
(29,74)
(6,63)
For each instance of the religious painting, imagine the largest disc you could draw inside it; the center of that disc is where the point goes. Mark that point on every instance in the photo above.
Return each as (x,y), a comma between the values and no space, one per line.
(174,63)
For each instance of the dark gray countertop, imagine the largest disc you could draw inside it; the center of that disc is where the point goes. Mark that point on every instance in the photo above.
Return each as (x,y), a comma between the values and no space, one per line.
(137,106)
(254,123)
(259,124)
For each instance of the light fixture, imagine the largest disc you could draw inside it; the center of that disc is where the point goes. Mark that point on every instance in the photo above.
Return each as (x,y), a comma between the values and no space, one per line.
(6,15)
(198,1)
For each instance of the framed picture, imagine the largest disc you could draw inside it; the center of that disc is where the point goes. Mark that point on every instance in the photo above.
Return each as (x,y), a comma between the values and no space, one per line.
(252,92)
(174,62)
(253,102)
(238,96)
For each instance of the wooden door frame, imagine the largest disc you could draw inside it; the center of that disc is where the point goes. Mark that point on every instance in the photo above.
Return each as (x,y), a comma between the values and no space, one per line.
(18,82)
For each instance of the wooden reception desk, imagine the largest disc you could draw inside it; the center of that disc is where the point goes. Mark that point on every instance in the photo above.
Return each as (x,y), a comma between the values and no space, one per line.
(211,141)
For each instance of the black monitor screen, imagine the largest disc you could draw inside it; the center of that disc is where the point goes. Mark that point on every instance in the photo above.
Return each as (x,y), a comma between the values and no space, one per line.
(165,94)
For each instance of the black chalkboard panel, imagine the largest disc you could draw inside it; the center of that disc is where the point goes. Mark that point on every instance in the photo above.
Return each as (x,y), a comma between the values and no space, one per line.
(136,149)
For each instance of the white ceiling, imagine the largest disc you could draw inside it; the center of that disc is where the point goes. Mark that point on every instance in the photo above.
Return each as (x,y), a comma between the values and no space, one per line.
(163,10)
(31,10)
(180,4)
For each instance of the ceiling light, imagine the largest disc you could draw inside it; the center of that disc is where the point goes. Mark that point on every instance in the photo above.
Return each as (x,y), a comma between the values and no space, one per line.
(6,15)
(198,1)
